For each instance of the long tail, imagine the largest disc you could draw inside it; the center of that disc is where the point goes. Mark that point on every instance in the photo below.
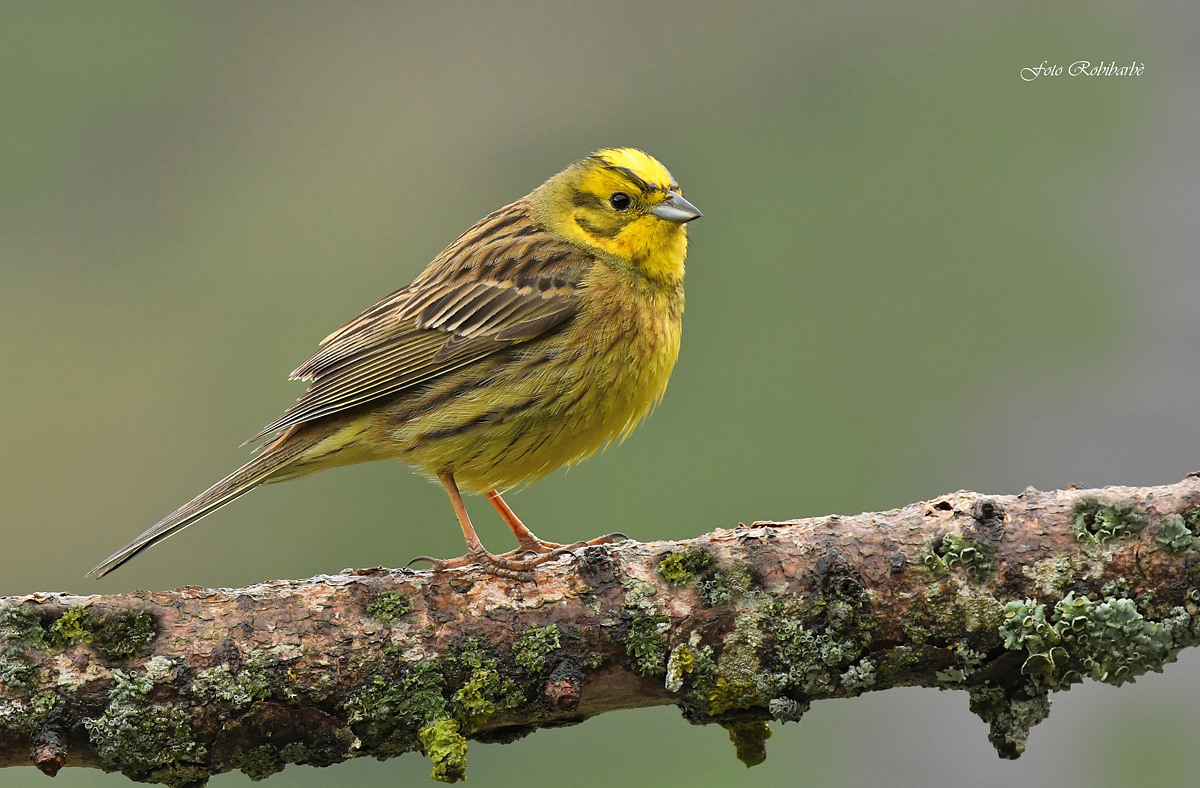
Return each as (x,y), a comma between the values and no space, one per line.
(270,465)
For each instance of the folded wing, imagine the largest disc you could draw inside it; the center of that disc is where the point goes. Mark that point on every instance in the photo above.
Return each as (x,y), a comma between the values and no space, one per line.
(504,281)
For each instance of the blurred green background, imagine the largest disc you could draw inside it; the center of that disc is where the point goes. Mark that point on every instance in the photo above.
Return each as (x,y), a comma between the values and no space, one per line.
(915,273)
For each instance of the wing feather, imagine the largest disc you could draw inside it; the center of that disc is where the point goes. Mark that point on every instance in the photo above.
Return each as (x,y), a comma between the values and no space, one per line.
(481,295)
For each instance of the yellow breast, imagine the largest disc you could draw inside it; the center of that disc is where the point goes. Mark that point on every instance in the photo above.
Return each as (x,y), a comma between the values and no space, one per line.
(569,394)
(631,329)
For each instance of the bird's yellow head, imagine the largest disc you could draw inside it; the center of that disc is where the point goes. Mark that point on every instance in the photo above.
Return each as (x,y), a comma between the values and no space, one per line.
(624,202)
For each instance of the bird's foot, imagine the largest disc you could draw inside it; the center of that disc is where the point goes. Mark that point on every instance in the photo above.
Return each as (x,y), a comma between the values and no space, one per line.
(540,546)
(500,565)
(515,564)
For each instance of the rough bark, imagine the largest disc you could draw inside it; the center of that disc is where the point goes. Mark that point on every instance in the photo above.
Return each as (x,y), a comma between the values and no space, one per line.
(1006,597)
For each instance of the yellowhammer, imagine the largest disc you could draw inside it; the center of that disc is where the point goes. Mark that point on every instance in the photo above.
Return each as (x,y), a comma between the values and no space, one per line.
(540,335)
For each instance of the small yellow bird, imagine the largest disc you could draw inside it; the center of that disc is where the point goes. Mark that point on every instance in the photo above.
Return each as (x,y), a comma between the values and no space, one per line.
(542,334)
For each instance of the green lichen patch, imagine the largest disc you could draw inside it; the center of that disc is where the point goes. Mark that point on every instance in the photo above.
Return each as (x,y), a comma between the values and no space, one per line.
(484,690)
(726,587)
(73,626)
(534,646)
(1116,589)
(298,752)
(814,649)
(692,672)
(447,749)
(916,634)
(684,660)
(1098,521)
(1110,641)
(731,694)
(325,749)
(967,661)
(859,677)
(237,688)
(388,712)
(160,668)
(810,660)
(40,707)
(750,740)
(899,662)
(257,763)
(1052,576)
(396,715)
(1175,536)
(475,702)
(388,607)
(23,625)
(1183,627)
(678,569)
(115,636)
(739,659)
(788,709)
(970,612)
(143,741)
(123,634)
(16,670)
(975,558)
(640,596)
(1009,716)
(1191,520)
(646,643)
(29,716)
(1025,626)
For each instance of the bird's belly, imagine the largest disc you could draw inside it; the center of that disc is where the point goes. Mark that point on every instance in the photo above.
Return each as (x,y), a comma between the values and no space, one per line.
(518,415)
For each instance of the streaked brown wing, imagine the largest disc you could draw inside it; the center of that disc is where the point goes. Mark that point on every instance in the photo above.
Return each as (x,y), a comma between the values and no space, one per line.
(487,291)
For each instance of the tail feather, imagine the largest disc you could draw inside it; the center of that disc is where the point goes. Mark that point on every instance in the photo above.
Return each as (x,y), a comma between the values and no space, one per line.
(273,461)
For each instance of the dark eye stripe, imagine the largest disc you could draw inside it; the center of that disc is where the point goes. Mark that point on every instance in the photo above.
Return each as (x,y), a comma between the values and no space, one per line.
(596,230)
(586,200)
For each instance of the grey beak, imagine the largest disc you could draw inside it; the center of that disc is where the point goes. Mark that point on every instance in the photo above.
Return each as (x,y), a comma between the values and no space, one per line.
(676,209)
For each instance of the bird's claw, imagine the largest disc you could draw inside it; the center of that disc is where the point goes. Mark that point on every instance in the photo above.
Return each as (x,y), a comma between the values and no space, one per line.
(499,565)
(515,564)
(615,536)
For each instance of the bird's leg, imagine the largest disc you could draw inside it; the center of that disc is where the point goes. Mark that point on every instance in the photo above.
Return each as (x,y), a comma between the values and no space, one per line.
(501,565)
(529,541)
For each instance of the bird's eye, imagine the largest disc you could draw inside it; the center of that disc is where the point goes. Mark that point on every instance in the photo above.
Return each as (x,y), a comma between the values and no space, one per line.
(620,201)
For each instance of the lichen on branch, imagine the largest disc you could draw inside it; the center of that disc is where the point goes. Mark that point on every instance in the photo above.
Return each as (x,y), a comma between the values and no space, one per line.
(1009,598)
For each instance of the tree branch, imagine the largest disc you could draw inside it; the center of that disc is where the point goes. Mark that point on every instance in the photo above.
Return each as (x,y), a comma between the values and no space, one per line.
(1006,597)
